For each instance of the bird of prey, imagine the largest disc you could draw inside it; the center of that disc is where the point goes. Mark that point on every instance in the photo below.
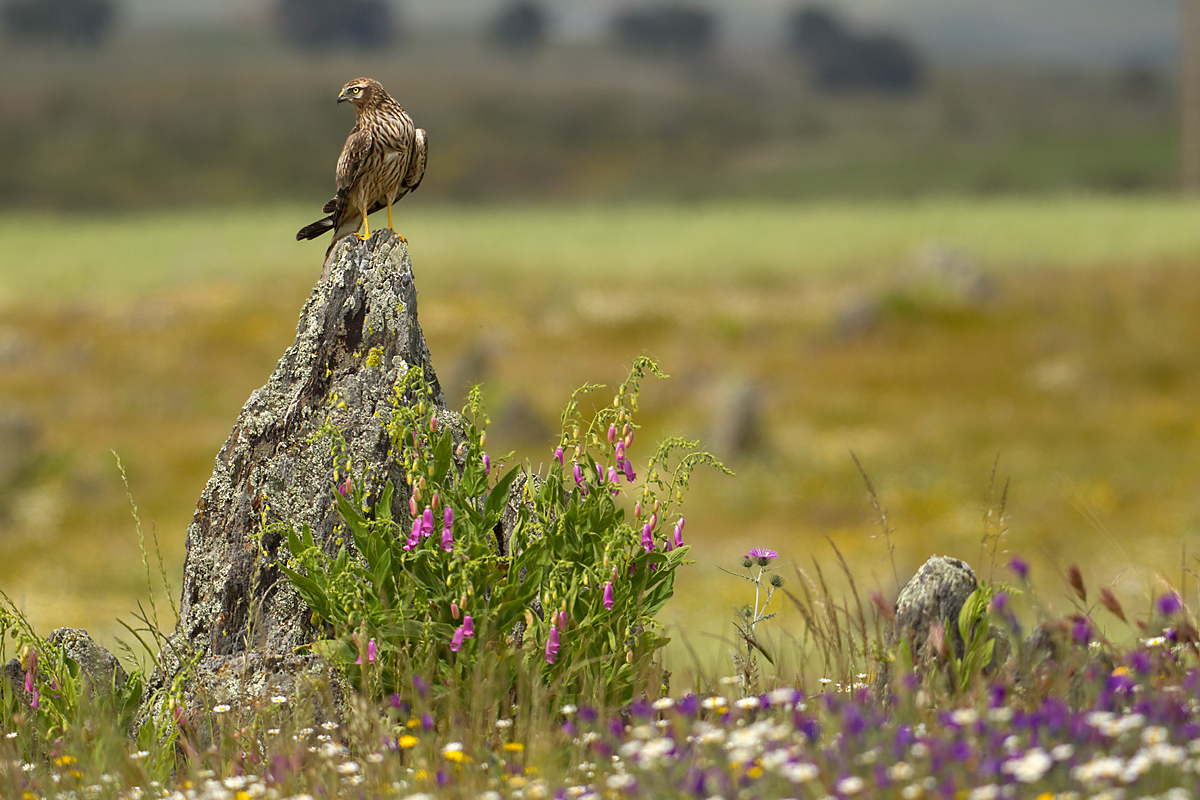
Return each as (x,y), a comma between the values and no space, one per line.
(383,160)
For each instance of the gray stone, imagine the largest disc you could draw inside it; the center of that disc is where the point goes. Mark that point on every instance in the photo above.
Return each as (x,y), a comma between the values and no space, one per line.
(737,423)
(358,333)
(101,671)
(934,595)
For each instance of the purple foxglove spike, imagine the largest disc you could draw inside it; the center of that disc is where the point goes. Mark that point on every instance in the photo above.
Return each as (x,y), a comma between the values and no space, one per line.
(552,645)
(371,651)
(345,487)
(648,538)
(654,520)
(577,472)
(627,468)
(427,523)
(453,610)
(558,456)
(600,472)
(612,433)
(437,501)
(562,619)
(412,506)
(468,626)
(487,464)
(28,681)
(448,517)
(679,533)
(637,510)
(447,538)
(620,451)
(457,640)
(36,701)
(612,475)
(608,595)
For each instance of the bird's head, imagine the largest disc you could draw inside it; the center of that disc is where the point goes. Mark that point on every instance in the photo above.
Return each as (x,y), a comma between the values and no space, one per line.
(361,93)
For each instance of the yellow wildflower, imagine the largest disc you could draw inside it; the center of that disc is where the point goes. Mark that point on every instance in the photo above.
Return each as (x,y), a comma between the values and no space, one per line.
(457,756)
(514,747)
(407,742)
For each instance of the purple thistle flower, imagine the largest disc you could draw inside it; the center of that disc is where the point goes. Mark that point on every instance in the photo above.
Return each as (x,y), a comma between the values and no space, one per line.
(457,640)
(468,626)
(1019,567)
(487,464)
(762,555)
(1169,604)
(552,645)
(427,523)
(558,456)
(679,533)
(648,538)
(608,595)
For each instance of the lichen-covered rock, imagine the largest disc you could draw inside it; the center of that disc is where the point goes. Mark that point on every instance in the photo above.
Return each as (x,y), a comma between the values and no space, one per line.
(357,334)
(100,669)
(934,595)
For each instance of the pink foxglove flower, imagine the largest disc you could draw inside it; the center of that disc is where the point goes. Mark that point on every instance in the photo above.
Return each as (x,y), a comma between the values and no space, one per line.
(457,640)
(558,456)
(648,538)
(427,523)
(552,645)
(468,626)
(608,595)
(679,533)
(487,464)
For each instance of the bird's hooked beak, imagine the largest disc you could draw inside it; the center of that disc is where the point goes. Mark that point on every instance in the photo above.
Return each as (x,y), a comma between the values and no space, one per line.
(342,97)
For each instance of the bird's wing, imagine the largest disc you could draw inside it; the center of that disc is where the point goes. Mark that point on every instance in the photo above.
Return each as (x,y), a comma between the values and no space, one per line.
(416,161)
(353,157)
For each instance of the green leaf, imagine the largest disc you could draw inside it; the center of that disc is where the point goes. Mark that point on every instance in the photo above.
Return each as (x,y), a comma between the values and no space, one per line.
(442,453)
(498,497)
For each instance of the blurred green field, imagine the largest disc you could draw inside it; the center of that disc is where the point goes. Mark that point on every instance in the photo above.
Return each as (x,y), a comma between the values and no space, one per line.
(927,336)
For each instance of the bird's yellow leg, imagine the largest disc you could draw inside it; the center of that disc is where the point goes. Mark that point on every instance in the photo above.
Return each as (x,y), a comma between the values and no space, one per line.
(366,234)
(393,230)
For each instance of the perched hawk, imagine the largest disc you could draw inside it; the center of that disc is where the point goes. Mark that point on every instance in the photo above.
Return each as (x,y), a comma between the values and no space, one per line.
(383,160)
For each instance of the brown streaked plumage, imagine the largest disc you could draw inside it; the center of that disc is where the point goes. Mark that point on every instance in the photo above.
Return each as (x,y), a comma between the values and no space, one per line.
(383,160)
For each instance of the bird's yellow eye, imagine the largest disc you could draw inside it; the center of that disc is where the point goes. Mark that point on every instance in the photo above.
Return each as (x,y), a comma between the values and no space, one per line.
(356,90)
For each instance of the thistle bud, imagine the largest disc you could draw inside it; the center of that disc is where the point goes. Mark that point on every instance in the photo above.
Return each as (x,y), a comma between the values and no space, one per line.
(777,581)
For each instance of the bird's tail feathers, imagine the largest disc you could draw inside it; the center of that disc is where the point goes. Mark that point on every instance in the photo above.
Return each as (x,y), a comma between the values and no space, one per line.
(315,229)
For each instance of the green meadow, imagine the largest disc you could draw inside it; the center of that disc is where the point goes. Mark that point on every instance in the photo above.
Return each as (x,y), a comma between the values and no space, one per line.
(930,337)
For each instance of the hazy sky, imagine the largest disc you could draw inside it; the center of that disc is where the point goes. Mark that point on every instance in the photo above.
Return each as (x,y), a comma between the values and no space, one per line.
(1095,31)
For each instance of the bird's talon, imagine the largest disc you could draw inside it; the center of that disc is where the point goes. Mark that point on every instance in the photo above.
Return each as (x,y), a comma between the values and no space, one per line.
(360,237)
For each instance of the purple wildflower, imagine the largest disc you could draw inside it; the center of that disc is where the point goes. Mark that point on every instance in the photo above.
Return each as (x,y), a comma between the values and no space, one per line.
(1019,567)
(577,473)
(679,533)
(457,640)
(648,538)
(427,523)
(999,602)
(612,475)
(1169,604)
(620,452)
(1082,631)
(344,488)
(487,464)
(762,555)
(36,700)
(420,684)
(627,468)
(552,645)
(608,595)
(448,529)
(612,433)
(558,456)
(468,626)
(415,537)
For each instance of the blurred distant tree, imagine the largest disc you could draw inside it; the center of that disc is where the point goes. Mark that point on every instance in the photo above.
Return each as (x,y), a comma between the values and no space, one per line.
(520,27)
(675,30)
(328,23)
(838,59)
(71,21)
